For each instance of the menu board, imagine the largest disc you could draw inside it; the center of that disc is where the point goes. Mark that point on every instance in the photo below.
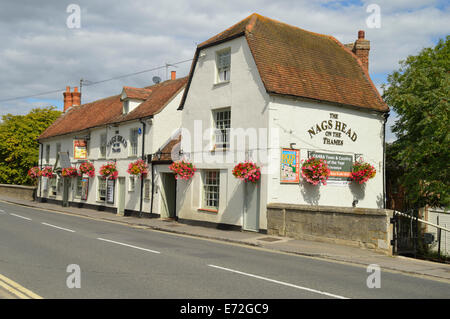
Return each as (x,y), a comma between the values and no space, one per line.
(340,166)
(290,166)
(110,191)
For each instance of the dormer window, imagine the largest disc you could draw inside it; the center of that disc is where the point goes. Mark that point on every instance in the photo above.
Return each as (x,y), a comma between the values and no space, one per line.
(126,106)
(223,65)
(133,97)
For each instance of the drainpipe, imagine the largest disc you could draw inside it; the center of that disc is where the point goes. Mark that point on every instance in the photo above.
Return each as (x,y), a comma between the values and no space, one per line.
(153,184)
(41,146)
(143,158)
(385,117)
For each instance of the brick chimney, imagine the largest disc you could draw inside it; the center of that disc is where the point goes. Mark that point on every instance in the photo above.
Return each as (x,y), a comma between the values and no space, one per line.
(68,102)
(361,49)
(173,75)
(76,97)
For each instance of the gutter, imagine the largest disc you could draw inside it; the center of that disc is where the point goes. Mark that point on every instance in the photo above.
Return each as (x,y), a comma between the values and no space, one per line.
(41,146)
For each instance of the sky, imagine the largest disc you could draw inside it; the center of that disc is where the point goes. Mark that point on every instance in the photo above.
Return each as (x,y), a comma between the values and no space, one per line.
(44,49)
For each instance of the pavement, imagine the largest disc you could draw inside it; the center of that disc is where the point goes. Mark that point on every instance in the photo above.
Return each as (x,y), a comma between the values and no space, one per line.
(321,250)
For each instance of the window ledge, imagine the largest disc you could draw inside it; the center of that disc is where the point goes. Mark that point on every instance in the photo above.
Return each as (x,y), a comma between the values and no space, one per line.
(209,210)
(216,84)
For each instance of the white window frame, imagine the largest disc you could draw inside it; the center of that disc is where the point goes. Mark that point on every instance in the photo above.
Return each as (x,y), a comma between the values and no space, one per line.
(223,63)
(211,189)
(133,150)
(100,182)
(131,183)
(47,153)
(126,106)
(102,144)
(78,187)
(147,188)
(58,149)
(222,126)
(54,185)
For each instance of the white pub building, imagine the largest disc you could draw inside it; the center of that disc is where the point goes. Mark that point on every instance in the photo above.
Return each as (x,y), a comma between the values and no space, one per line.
(260,91)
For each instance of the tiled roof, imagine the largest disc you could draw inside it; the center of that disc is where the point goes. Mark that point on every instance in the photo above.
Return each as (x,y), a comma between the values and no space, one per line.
(109,110)
(137,93)
(295,62)
(166,151)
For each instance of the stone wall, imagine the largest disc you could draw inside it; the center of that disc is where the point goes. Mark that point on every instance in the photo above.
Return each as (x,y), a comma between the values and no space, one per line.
(360,227)
(18,191)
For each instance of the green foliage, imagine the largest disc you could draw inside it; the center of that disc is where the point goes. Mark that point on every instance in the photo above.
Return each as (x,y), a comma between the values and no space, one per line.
(19,149)
(419,92)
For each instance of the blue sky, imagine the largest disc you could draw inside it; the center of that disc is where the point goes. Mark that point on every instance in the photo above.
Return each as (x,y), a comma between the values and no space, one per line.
(41,53)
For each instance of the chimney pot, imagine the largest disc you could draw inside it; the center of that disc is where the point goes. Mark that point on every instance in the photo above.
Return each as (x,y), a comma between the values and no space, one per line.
(76,96)
(173,75)
(68,102)
(361,34)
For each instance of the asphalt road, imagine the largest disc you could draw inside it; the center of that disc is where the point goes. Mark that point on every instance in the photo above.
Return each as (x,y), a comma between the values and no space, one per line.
(118,261)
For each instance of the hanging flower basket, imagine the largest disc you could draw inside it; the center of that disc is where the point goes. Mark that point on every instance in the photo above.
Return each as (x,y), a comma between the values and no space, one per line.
(362,172)
(247,172)
(34,172)
(315,171)
(87,168)
(183,170)
(138,167)
(47,171)
(109,171)
(69,172)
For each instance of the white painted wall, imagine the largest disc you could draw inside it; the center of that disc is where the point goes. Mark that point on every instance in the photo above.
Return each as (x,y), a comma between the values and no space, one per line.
(293,119)
(157,132)
(246,96)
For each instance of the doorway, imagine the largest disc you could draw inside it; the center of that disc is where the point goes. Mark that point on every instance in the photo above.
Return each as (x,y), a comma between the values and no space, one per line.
(121,197)
(168,195)
(250,220)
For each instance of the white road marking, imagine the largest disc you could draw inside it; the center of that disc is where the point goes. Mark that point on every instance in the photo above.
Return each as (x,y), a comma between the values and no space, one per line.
(280,282)
(20,216)
(69,230)
(116,242)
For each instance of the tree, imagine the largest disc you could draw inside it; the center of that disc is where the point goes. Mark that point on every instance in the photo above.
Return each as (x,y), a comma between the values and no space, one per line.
(19,149)
(419,92)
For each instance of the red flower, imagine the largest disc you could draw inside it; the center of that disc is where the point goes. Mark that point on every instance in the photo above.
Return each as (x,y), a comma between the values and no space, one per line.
(315,171)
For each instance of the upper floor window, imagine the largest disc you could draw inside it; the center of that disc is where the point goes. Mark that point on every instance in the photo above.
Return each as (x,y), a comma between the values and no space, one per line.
(134,142)
(223,65)
(102,145)
(222,125)
(47,154)
(58,149)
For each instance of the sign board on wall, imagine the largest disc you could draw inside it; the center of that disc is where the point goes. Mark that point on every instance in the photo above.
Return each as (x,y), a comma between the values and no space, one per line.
(110,191)
(340,166)
(80,149)
(84,188)
(290,166)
